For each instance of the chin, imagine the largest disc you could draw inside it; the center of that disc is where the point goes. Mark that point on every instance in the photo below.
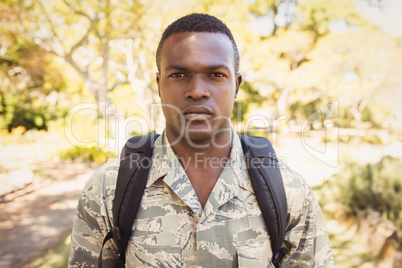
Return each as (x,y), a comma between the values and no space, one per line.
(204,136)
(197,135)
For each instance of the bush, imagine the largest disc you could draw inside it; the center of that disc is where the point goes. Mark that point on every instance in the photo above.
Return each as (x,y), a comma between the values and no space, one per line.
(92,154)
(374,139)
(374,186)
(14,136)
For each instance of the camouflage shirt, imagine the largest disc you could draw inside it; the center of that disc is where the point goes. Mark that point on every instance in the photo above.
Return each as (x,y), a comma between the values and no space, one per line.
(173,230)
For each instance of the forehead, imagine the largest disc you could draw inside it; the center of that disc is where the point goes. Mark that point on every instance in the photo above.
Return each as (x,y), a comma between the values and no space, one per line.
(194,48)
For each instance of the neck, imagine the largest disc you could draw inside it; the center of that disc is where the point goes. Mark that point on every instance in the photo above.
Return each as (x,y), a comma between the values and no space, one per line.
(201,153)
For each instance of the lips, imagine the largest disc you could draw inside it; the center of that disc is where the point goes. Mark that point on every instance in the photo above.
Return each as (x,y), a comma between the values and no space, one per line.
(197,113)
(197,110)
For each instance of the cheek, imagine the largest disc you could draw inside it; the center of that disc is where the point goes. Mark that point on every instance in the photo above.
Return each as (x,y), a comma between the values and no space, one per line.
(170,91)
(227,97)
(226,103)
(166,95)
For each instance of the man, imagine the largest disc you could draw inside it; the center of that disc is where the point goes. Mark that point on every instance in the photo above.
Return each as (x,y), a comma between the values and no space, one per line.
(198,208)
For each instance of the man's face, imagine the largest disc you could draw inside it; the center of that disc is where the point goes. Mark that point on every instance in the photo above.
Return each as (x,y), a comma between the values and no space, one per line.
(197,84)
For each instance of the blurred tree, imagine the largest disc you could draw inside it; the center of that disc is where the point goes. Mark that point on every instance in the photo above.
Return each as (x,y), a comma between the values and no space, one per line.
(30,86)
(360,67)
(291,45)
(108,43)
(320,17)
(277,75)
(279,14)
(112,44)
(83,34)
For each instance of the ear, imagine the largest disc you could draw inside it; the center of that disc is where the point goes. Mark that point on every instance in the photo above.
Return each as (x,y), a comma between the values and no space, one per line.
(239,79)
(157,82)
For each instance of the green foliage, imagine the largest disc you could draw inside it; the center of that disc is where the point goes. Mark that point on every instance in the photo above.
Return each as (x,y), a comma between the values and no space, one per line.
(340,68)
(375,186)
(30,87)
(13,136)
(92,154)
(345,138)
(346,118)
(316,15)
(273,9)
(248,96)
(375,114)
(372,139)
(56,257)
(303,61)
(300,111)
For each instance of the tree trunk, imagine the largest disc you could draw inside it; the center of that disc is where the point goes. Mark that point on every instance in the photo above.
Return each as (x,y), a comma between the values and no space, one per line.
(282,102)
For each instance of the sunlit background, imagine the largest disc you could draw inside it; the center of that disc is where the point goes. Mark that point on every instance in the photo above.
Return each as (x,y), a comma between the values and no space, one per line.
(321,78)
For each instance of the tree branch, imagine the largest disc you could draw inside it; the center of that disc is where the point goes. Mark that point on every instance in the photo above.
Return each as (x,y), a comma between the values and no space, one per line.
(84,74)
(125,82)
(52,28)
(274,9)
(69,56)
(84,37)
(78,12)
(52,51)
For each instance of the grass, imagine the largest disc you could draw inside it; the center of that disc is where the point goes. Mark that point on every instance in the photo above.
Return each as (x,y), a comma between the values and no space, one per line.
(349,248)
(55,258)
(347,236)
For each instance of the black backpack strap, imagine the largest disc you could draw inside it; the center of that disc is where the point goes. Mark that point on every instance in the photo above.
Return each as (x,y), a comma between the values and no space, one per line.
(135,164)
(266,179)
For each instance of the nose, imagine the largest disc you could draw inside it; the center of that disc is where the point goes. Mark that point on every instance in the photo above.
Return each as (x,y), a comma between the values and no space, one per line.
(197,89)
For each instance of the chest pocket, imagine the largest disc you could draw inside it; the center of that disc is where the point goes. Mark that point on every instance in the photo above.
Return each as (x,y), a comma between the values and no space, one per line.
(253,248)
(153,246)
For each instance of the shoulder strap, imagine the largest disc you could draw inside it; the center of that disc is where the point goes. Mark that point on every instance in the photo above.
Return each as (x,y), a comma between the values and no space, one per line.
(135,163)
(266,179)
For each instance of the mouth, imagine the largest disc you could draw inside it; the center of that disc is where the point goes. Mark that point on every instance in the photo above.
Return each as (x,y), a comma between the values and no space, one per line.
(197,113)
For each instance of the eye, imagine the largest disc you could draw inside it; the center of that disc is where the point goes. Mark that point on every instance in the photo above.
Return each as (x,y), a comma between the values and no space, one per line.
(217,75)
(176,75)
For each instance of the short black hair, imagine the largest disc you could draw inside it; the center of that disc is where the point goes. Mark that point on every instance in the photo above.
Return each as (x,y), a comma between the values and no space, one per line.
(197,22)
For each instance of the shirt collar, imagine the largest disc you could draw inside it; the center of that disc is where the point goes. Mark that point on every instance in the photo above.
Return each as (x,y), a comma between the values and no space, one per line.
(164,159)
(238,163)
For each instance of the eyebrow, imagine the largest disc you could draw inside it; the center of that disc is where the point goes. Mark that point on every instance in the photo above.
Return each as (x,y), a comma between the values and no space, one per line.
(218,66)
(175,67)
(210,67)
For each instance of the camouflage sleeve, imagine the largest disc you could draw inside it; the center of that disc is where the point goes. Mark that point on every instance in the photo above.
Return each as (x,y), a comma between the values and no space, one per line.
(90,227)
(306,234)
